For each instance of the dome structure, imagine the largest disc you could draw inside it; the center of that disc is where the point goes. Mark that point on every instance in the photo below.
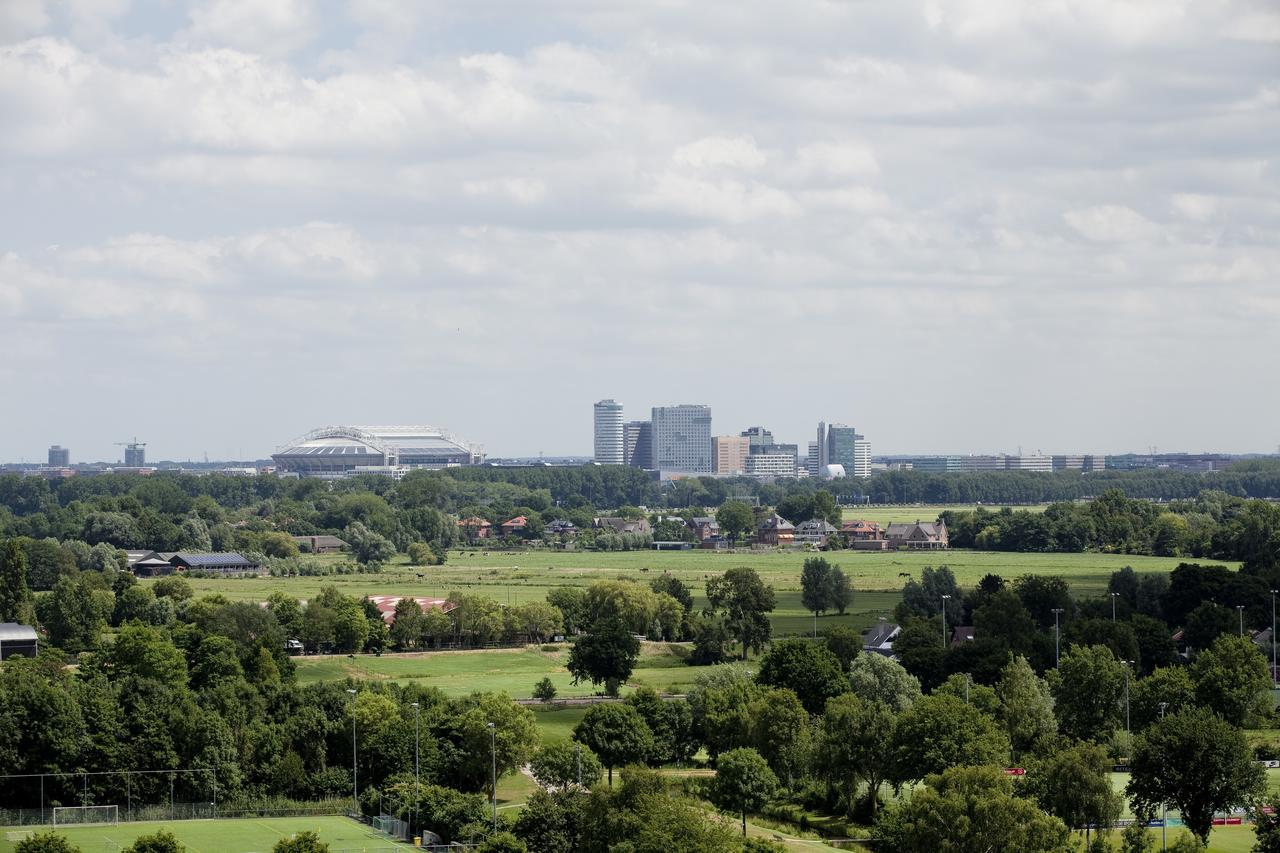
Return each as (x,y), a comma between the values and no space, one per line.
(341,450)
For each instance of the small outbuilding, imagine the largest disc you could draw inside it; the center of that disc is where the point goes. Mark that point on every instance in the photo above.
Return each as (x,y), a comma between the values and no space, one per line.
(18,639)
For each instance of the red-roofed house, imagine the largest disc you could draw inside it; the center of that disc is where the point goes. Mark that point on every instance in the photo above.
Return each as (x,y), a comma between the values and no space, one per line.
(475,527)
(514,526)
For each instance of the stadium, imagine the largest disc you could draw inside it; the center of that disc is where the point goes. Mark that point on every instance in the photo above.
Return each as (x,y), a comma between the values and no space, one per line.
(340,451)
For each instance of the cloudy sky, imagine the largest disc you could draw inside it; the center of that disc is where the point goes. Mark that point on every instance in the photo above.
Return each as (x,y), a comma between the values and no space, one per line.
(959,225)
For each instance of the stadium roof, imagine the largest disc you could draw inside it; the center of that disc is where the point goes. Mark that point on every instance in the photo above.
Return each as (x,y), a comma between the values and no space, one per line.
(376,440)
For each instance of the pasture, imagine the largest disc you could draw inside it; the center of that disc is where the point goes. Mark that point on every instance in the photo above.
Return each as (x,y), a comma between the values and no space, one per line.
(515,577)
(884,514)
(232,835)
(513,671)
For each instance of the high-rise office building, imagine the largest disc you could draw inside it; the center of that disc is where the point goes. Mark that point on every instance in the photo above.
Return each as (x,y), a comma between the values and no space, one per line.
(846,448)
(731,453)
(821,460)
(813,462)
(135,455)
(608,430)
(758,438)
(637,444)
(59,456)
(682,439)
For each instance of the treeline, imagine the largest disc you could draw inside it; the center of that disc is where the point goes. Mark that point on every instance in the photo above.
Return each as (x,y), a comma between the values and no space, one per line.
(1213,525)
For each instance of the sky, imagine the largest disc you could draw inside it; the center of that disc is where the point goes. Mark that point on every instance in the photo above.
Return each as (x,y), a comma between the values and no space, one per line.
(968,226)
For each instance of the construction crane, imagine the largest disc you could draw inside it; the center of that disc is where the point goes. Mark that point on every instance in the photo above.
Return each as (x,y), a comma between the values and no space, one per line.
(135,453)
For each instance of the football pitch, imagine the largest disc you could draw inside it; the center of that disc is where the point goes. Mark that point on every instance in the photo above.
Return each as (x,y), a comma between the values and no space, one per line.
(229,835)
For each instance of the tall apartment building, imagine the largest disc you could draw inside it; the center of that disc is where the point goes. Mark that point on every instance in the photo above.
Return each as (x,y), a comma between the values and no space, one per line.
(731,452)
(59,456)
(818,449)
(682,438)
(637,444)
(608,433)
(813,462)
(861,458)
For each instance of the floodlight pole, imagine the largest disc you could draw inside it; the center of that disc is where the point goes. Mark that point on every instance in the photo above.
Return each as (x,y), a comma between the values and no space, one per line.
(577,757)
(1114,596)
(1240,610)
(493,754)
(417,714)
(355,788)
(1127,664)
(944,620)
(1057,644)
(1164,809)
(1273,637)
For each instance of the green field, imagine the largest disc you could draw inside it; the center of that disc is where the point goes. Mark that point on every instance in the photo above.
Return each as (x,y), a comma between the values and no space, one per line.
(517,577)
(514,671)
(240,835)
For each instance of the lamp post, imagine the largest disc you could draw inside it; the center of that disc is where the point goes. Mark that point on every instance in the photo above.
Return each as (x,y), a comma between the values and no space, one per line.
(1240,610)
(417,715)
(1114,596)
(1273,637)
(1164,810)
(493,755)
(1127,664)
(945,598)
(1057,645)
(355,788)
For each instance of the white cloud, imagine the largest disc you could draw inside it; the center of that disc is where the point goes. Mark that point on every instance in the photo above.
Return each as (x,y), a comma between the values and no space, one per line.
(276,28)
(1111,223)
(717,152)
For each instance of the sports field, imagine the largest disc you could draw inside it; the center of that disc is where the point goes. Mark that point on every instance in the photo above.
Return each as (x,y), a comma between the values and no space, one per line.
(517,577)
(236,835)
(882,514)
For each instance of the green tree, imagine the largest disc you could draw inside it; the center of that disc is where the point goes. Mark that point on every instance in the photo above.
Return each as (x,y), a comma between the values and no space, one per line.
(607,653)
(558,763)
(515,737)
(671,724)
(158,842)
(1231,678)
(1196,762)
(76,613)
(743,783)
(941,731)
(711,641)
(302,842)
(179,589)
(780,731)
(367,545)
(15,596)
(839,590)
(1026,707)
(616,733)
(735,519)
(141,651)
(1264,814)
(747,602)
(845,643)
(1074,784)
(970,809)
(1170,686)
(808,669)
(856,745)
(552,822)
(501,842)
(544,690)
(45,842)
(571,602)
(877,678)
(1088,688)
(815,585)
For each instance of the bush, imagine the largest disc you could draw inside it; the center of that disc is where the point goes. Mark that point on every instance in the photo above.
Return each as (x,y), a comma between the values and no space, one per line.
(159,842)
(544,690)
(46,842)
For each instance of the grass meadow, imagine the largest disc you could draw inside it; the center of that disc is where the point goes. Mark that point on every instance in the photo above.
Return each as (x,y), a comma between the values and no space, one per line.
(235,835)
(515,577)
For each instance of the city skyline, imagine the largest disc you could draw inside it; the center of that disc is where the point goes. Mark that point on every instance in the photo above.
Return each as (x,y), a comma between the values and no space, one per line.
(879,210)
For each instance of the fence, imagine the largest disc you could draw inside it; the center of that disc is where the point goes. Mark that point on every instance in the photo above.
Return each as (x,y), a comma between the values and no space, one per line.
(392,826)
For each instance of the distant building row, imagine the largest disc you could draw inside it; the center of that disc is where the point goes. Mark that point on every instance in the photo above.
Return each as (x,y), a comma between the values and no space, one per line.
(678,439)
(1034,462)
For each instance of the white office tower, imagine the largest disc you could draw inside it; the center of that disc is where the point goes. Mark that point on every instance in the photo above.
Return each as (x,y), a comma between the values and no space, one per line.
(861,458)
(682,439)
(608,423)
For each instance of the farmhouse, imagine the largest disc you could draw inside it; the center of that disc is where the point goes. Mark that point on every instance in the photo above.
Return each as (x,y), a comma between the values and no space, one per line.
(862,535)
(775,530)
(705,527)
(920,536)
(319,544)
(475,528)
(562,527)
(514,526)
(624,525)
(878,639)
(815,531)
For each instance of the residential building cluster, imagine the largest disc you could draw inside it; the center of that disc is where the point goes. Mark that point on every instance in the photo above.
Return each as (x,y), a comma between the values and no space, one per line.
(678,440)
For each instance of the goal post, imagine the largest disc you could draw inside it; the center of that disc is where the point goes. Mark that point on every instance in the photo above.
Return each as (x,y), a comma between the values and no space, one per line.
(86,815)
